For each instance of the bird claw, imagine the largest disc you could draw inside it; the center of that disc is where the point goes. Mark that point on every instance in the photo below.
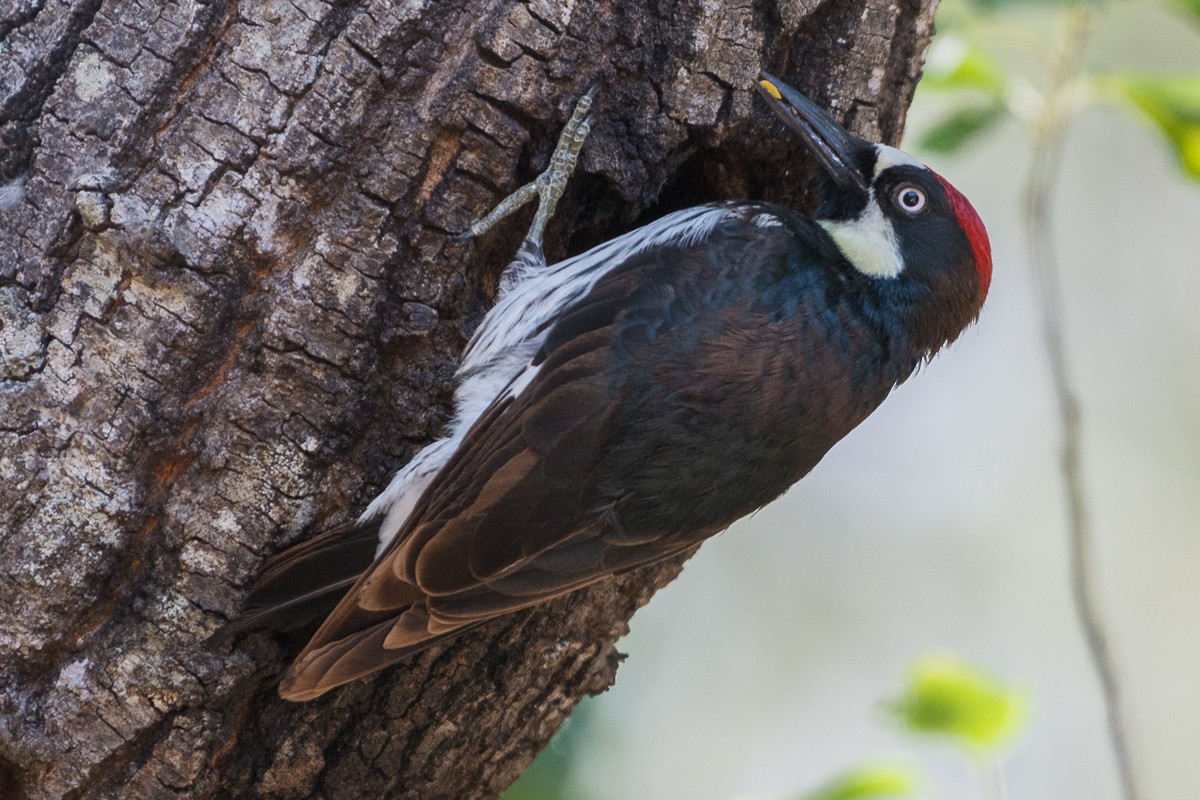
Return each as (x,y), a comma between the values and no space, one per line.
(549,186)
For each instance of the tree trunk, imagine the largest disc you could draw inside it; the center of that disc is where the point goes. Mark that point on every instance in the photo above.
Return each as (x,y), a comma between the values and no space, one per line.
(230,309)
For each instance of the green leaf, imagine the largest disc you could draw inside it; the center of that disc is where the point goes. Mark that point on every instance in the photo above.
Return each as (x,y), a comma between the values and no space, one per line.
(954,131)
(1190,7)
(956,64)
(949,696)
(1172,103)
(874,781)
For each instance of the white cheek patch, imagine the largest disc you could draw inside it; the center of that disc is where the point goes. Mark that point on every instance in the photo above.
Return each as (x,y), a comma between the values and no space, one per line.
(869,242)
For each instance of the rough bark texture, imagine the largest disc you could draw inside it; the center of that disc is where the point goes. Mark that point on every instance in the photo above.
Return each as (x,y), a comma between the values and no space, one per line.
(229,309)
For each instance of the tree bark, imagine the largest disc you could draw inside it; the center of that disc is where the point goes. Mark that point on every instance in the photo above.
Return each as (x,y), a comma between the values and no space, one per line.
(230,309)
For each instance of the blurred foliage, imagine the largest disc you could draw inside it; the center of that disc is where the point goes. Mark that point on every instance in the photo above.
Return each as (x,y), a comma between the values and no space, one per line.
(549,776)
(962,66)
(959,127)
(997,5)
(882,780)
(948,696)
(1191,7)
(944,694)
(955,64)
(1172,103)
(980,84)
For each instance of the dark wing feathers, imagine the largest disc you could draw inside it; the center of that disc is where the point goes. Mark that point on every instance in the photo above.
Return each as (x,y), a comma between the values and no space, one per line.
(509,522)
(323,559)
(303,583)
(492,511)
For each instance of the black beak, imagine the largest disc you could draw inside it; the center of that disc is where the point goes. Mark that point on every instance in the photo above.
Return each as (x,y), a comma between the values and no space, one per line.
(833,145)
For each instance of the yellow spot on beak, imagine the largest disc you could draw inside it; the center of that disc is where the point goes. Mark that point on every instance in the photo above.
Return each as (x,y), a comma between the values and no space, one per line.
(771,90)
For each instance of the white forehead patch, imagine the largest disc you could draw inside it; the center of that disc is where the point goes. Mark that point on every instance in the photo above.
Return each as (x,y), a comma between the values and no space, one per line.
(886,157)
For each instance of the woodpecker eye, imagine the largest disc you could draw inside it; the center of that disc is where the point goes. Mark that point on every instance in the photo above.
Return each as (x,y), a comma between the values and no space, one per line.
(910,199)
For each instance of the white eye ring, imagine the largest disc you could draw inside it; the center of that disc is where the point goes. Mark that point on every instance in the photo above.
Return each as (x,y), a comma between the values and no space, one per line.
(910,199)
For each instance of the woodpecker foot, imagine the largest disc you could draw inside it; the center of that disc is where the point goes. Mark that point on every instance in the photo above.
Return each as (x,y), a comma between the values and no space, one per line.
(550,185)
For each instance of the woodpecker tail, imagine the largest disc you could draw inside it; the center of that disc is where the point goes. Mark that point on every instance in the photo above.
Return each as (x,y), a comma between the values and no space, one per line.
(302,584)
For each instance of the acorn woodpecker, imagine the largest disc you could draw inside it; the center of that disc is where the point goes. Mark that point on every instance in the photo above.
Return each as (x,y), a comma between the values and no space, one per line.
(623,405)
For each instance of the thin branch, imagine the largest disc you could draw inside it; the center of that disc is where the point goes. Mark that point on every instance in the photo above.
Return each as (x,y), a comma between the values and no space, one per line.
(989,778)
(1039,189)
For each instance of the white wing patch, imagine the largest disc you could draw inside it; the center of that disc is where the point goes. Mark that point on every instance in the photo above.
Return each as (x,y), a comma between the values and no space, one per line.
(497,359)
(525,309)
(401,495)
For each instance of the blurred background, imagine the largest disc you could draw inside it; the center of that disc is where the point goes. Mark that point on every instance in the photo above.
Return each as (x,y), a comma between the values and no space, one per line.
(940,524)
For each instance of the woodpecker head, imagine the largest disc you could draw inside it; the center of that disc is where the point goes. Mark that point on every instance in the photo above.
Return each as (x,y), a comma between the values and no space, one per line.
(893,218)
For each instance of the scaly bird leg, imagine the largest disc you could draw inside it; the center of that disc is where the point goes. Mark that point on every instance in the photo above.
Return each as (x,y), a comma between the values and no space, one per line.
(550,185)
